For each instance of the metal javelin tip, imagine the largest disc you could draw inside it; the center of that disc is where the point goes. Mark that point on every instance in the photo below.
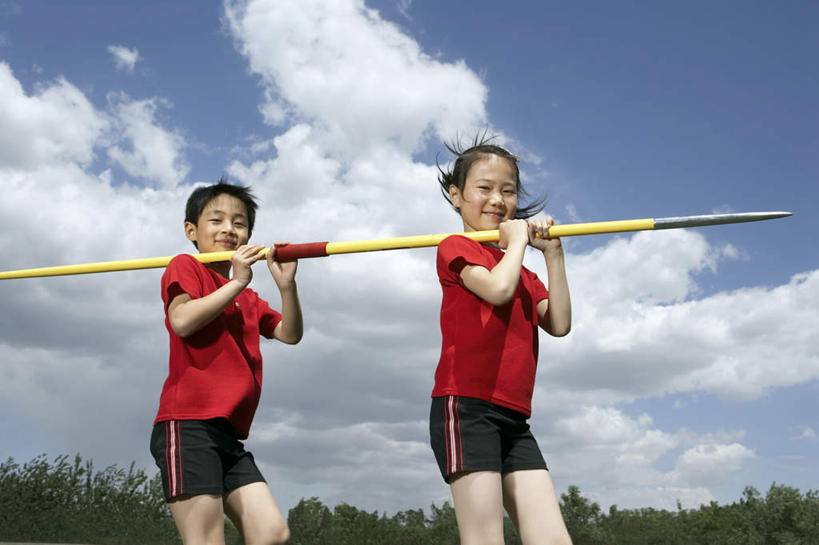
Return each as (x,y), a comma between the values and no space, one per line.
(715,219)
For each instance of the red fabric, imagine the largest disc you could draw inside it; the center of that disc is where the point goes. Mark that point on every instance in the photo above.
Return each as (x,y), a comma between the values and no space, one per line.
(487,352)
(217,371)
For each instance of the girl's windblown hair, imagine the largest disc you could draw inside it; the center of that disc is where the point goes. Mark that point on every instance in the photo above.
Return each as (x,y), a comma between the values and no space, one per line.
(478,149)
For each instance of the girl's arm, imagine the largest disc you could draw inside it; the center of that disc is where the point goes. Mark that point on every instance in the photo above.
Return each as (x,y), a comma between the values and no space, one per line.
(291,328)
(554,313)
(498,286)
(188,315)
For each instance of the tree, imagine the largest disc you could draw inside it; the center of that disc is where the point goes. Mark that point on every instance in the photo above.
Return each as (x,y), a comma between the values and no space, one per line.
(63,501)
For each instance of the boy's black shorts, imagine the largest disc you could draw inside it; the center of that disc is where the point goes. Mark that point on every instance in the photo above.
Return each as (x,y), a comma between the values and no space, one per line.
(201,457)
(469,434)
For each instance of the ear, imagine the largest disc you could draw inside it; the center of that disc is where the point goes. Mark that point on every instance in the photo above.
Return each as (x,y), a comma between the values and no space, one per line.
(190,231)
(455,196)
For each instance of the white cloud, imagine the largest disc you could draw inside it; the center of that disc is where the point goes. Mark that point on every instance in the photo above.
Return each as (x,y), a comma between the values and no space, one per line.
(355,98)
(707,463)
(353,75)
(124,58)
(54,125)
(154,153)
(805,433)
(640,330)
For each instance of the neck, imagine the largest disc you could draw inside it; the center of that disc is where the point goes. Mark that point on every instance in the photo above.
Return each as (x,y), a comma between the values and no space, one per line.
(222,268)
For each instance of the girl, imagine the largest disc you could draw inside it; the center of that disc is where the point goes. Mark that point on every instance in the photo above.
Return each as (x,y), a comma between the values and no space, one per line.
(490,312)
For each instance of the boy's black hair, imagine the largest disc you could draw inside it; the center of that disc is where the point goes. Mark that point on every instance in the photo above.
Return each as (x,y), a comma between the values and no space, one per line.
(479,148)
(201,196)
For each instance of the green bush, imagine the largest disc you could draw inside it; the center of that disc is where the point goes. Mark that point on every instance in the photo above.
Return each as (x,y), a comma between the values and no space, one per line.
(69,502)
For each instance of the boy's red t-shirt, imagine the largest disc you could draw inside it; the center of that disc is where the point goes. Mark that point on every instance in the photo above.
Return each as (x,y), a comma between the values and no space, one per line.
(217,371)
(487,352)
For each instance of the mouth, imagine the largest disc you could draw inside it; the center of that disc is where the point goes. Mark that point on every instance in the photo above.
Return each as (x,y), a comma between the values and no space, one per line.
(230,244)
(496,216)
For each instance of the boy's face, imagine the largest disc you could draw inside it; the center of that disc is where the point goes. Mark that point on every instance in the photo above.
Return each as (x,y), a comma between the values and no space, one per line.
(222,225)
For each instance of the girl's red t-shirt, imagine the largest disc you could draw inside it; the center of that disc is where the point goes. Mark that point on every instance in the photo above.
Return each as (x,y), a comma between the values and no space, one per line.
(487,352)
(217,371)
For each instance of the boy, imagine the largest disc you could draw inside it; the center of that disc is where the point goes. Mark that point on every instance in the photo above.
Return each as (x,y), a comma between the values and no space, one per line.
(215,373)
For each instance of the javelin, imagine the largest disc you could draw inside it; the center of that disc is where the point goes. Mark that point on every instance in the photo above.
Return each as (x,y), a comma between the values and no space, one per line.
(290,252)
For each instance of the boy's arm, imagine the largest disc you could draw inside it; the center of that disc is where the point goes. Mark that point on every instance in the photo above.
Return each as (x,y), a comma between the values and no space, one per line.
(291,328)
(188,315)
(498,286)
(555,313)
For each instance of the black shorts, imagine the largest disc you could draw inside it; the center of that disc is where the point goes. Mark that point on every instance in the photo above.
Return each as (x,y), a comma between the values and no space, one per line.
(469,434)
(201,457)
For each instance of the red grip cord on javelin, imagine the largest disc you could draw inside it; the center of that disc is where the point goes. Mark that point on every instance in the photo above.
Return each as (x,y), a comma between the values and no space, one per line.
(290,252)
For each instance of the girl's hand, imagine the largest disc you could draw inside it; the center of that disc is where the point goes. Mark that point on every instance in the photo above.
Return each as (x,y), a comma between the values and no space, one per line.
(541,227)
(242,259)
(511,232)
(283,272)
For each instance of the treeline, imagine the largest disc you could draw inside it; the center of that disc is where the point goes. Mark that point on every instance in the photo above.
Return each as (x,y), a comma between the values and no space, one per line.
(69,501)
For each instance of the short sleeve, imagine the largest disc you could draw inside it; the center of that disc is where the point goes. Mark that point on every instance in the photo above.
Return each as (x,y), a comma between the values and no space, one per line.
(268,318)
(182,275)
(456,251)
(539,291)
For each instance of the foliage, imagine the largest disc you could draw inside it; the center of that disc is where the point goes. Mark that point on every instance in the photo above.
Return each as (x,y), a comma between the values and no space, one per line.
(70,502)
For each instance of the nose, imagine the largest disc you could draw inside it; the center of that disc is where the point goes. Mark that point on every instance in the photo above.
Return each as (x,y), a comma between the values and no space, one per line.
(228,227)
(495,197)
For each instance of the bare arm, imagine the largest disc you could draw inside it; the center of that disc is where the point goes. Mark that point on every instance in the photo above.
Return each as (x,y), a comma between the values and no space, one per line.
(498,286)
(554,313)
(291,328)
(188,315)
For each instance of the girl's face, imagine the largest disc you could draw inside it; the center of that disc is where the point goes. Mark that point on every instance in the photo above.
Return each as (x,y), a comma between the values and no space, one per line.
(489,196)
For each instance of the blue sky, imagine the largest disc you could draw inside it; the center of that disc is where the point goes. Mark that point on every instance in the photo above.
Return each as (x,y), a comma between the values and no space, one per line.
(692,368)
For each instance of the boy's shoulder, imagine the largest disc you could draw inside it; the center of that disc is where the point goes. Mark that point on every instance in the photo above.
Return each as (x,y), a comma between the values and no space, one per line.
(183,263)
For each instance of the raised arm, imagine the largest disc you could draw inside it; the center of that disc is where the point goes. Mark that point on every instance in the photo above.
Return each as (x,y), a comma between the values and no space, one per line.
(498,285)
(188,315)
(291,328)
(554,313)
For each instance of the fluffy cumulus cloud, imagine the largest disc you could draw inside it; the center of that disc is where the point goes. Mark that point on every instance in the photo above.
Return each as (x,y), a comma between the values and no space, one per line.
(124,58)
(358,78)
(148,150)
(344,413)
(55,124)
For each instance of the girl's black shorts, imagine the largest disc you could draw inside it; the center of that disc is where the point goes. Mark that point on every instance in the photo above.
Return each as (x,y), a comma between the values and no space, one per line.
(469,434)
(201,457)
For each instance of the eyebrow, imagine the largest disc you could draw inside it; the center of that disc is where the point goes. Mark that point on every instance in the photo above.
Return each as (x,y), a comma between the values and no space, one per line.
(217,211)
(493,180)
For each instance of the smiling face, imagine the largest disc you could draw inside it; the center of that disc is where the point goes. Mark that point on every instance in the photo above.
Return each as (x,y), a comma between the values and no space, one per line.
(489,195)
(222,225)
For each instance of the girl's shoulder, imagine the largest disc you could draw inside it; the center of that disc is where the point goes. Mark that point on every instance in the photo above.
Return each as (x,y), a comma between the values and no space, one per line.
(456,251)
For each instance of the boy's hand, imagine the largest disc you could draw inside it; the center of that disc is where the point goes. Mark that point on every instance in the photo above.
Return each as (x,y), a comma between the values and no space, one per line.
(512,231)
(242,259)
(541,227)
(283,272)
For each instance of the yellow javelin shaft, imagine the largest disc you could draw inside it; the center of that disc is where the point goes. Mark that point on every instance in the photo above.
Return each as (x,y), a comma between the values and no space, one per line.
(332,248)
(423,241)
(319,249)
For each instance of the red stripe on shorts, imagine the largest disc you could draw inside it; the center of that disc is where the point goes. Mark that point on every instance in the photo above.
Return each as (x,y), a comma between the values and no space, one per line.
(460,444)
(179,442)
(446,433)
(171,431)
(453,440)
